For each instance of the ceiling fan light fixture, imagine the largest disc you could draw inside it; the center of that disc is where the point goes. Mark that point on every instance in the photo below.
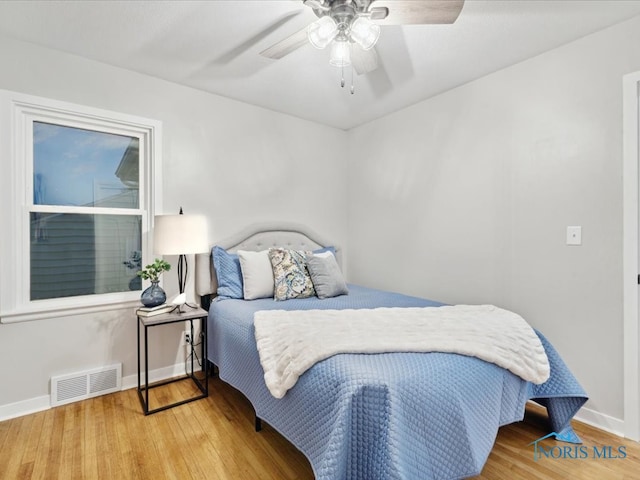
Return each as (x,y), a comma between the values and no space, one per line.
(322,32)
(364,33)
(340,54)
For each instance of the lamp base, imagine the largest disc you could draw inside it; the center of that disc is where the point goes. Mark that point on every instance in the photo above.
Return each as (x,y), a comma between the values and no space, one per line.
(179,308)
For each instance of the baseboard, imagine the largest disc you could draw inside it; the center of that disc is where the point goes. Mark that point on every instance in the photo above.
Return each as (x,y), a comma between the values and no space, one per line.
(601,421)
(131,381)
(25,407)
(595,419)
(39,404)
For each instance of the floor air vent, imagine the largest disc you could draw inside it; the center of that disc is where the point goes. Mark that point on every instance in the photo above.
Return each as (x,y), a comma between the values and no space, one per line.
(87,384)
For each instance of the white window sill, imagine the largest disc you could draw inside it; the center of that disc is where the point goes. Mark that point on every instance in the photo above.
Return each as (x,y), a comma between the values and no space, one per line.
(17,316)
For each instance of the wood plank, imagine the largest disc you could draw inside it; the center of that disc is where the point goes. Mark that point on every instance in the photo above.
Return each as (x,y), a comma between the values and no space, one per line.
(214,438)
(9,431)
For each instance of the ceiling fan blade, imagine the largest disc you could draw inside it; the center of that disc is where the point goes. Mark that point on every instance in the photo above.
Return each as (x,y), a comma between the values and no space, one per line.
(415,12)
(238,50)
(364,61)
(287,45)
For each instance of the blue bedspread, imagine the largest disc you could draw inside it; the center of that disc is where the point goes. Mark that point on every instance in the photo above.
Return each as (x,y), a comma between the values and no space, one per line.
(386,416)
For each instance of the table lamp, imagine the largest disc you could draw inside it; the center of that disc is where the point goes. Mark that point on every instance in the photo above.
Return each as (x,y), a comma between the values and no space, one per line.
(180,235)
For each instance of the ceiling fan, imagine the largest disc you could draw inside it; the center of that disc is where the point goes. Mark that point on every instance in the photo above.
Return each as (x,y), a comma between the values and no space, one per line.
(352,27)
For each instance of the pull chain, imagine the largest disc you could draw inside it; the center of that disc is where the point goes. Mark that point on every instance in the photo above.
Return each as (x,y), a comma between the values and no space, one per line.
(353,90)
(343,82)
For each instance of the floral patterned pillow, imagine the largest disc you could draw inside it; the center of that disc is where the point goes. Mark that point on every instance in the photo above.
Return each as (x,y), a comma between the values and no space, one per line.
(290,274)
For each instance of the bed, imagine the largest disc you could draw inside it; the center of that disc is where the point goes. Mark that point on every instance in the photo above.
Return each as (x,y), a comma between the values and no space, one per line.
(376,416)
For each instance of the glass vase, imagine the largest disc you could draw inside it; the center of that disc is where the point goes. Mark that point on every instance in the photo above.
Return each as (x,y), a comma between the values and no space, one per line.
(153,296)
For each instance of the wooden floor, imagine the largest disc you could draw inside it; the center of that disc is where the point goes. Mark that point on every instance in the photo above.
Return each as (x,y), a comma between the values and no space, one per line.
(108,437)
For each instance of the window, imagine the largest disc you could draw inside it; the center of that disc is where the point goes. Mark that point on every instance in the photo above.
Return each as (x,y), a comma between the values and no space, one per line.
(83,194)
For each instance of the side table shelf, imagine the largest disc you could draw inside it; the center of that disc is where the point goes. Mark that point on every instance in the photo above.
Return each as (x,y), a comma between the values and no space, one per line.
(165,319)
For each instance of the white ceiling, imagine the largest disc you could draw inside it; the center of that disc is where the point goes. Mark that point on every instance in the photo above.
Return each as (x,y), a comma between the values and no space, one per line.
(214,46)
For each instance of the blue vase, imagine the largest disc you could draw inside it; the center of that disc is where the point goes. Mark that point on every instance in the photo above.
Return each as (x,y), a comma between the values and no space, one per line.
(153,296)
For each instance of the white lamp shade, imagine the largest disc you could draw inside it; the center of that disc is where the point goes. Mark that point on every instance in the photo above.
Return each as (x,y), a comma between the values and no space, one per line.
(364,33)
(180,234)
(340,54)
(321,32)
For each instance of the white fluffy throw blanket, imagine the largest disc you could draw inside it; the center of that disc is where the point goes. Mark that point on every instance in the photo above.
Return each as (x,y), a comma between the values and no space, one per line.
(291,342)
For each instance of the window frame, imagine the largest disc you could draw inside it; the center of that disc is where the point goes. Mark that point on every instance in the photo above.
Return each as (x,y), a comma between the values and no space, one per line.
(18,112)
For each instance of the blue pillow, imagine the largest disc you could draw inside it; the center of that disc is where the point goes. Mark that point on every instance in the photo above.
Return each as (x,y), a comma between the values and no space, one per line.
(326,249)
(228,272)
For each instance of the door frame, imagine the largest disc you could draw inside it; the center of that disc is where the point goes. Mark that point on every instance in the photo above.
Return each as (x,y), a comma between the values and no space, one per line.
(630,255)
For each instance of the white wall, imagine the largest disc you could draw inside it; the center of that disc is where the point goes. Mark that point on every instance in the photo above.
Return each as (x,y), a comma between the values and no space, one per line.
(462,198)
(465,198)
(233,162)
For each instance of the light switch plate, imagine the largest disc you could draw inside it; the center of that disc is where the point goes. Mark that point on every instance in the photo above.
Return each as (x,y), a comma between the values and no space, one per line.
(574,235)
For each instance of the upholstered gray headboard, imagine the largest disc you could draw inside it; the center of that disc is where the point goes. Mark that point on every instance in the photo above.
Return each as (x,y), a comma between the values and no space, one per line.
(255,238)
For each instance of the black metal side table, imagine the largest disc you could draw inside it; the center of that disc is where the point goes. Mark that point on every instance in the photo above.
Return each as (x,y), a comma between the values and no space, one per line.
(166,319)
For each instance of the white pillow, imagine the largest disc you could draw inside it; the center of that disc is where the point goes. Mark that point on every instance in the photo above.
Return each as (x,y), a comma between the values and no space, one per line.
(257,274)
